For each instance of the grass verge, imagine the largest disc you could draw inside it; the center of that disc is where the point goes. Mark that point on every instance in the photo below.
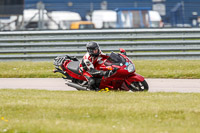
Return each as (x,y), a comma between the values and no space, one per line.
(35,111)
(147,68)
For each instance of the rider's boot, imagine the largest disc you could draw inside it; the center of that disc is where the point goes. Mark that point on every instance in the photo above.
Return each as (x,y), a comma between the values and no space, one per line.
(91,84)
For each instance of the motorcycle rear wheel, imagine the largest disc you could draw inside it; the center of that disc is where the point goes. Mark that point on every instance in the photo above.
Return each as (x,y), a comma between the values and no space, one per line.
(139,86)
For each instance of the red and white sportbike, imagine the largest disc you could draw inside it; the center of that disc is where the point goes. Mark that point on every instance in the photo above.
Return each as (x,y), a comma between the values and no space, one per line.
(122,77)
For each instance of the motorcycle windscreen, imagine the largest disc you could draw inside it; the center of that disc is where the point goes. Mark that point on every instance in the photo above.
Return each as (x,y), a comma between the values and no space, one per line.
(115,59)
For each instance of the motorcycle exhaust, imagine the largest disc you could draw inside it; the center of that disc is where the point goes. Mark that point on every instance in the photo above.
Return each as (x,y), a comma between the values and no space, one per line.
(78,87)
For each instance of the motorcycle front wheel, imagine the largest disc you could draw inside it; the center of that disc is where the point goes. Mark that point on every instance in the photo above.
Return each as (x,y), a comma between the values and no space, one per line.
(139,86)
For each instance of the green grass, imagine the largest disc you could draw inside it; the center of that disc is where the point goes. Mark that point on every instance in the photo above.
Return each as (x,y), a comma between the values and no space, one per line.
(34,111)
(147,68)
(169,69)
(27,70)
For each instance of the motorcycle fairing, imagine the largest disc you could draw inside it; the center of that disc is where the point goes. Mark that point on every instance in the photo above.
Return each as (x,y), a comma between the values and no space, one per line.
(124,86)
(113,83)
(68,64)
(134,78)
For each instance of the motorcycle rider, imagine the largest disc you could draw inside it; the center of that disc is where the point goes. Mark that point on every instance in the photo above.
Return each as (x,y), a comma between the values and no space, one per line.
(93,56)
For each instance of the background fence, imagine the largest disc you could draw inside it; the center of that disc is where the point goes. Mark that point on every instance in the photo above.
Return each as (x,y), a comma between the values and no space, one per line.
(139,43)
(174,13)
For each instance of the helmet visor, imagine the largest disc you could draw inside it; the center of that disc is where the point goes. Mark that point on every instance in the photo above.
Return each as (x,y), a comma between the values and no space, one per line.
(93,51)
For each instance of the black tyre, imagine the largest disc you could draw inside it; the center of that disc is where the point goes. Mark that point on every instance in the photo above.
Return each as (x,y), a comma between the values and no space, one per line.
(139,86)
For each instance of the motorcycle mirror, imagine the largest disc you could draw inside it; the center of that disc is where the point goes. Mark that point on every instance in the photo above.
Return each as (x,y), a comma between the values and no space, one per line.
(122,51)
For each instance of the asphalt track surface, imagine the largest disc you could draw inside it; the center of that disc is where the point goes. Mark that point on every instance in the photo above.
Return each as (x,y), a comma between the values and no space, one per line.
(155,85)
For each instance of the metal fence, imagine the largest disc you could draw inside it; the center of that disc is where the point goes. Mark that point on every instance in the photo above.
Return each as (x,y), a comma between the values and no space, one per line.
(139,43)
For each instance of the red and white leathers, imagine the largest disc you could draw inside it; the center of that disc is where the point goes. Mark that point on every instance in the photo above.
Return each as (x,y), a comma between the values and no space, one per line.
(89,62)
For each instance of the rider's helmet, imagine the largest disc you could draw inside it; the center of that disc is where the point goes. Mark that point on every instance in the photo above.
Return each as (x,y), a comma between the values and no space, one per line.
(91,47)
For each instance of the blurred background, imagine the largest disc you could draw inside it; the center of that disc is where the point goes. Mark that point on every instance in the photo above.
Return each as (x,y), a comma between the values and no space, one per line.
(97,14)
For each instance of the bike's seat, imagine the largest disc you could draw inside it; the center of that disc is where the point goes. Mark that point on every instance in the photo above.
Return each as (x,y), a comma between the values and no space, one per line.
(74,67)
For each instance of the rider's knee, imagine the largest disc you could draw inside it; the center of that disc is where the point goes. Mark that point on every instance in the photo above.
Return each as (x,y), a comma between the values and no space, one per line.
(91,81)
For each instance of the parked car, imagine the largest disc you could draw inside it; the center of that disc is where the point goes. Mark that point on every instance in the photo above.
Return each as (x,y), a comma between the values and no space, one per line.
(31,19)
(82,25)
(103,18)
(63,19)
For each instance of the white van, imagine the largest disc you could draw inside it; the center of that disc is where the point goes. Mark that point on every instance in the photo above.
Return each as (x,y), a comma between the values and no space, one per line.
(62,19)
(8,23)
(51,20)
(104,18)
(155,19)
(138,18)
(31,19)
